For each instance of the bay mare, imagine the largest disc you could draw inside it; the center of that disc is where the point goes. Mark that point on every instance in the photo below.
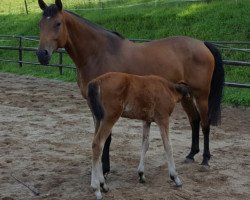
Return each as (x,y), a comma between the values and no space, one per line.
(96,51)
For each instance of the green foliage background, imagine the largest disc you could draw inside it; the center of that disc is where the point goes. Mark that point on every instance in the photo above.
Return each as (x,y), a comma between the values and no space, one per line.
(219,20)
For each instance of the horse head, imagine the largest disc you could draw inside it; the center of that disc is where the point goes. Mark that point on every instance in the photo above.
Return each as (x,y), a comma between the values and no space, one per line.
(53,31)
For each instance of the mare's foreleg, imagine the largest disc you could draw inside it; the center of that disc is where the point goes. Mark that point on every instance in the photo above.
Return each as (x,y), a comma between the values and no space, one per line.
(194,119)
(145,145)
(164,128)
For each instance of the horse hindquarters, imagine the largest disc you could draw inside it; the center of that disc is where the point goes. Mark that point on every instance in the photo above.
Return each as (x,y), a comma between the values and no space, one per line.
(210,106)
(214,99)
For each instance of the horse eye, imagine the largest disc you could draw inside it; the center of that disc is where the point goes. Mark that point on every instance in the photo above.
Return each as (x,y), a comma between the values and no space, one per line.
(58,24)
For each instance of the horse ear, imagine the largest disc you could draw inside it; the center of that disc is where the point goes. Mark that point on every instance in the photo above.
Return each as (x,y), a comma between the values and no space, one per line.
(59,4)
(42,5)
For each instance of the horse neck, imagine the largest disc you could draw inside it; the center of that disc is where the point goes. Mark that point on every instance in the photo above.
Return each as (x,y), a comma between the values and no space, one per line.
(86,41)
(75,46)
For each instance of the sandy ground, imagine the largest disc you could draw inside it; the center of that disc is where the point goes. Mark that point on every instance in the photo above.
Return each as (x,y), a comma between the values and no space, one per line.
(46,131)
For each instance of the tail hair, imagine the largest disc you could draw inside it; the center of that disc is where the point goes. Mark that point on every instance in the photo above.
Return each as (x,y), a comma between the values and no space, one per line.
(216,89)
(94,100)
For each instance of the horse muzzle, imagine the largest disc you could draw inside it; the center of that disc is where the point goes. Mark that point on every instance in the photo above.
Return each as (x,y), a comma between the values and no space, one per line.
(43,56)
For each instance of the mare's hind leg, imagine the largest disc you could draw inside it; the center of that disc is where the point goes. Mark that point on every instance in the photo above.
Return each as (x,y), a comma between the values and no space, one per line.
(202,104)
(145,145)
(164,128)
(194,119)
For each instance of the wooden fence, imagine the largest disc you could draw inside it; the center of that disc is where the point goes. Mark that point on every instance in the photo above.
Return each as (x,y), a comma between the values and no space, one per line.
(21,48)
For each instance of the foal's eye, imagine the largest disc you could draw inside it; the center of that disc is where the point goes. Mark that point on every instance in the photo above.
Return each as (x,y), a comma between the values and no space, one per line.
(58,24)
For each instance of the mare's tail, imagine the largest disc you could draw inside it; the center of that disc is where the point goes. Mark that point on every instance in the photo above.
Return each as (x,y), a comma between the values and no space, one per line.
(94,100)
(216,89)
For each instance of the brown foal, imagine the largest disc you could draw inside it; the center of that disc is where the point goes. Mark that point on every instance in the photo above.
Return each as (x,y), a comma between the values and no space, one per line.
(149,98)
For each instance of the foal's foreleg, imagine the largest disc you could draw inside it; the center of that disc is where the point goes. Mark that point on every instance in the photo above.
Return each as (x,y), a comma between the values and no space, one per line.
(145,145)
(164,126)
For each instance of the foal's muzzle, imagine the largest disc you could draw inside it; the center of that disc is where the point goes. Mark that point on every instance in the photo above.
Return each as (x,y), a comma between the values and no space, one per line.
(43,56)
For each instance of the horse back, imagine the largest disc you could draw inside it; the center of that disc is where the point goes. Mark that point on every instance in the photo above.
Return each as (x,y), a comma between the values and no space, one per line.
(175,59)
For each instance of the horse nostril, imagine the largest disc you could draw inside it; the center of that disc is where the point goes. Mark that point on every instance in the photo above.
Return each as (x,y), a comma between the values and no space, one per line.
(43,56)
(42,52)
(46,53)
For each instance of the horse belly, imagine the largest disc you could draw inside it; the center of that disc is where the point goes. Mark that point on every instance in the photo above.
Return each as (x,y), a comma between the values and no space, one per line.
(145,113)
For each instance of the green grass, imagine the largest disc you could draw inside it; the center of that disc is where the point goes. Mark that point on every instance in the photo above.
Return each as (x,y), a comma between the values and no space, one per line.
(225,20)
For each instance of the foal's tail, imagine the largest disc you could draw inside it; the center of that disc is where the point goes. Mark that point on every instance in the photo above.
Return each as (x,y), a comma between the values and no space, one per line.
(183,89)
(216,89)
(94,100)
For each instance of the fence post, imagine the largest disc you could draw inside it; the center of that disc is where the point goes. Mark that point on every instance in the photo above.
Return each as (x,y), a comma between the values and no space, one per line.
(60,62)
(26,7)
(20,52)
(101,4)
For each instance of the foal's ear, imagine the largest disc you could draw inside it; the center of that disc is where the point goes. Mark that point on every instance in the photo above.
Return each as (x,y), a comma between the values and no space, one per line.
(59,4)
(42,5)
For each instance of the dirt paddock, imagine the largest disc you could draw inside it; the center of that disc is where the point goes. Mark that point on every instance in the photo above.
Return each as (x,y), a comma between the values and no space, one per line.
(46,131)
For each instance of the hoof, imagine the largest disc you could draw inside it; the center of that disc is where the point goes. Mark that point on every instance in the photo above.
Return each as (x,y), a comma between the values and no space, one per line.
(204,168)
(189,160)
(98,195)
(177,181)
(104,187)
(142,177)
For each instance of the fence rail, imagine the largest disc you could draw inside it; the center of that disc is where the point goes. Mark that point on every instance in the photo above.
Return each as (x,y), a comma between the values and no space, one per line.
(31,6)
(60,65)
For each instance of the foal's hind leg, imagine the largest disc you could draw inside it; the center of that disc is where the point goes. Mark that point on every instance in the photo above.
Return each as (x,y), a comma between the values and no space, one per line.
(97,178)
(145,145)
(164,128)
(106,124)
(97,125)
(194,119)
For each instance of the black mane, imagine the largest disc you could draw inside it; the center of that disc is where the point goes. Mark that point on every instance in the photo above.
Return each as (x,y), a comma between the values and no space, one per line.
(53,10)
(95,25)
